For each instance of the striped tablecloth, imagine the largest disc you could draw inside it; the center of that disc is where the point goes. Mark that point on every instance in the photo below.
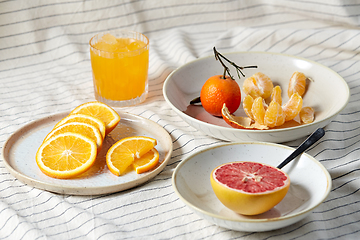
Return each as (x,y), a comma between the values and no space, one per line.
(45,69)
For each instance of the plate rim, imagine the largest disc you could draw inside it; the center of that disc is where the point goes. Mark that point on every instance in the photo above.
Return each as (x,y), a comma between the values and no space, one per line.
(252,221)
(322,122)
(83,190)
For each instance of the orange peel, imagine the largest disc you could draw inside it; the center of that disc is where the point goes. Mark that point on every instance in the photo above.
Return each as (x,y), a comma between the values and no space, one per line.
(240,122)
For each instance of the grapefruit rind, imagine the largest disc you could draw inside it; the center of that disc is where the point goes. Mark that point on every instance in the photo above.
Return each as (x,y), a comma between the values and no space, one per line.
(248,203)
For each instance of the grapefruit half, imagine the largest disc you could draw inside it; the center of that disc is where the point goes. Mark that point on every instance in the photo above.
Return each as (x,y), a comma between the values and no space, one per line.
(249,188)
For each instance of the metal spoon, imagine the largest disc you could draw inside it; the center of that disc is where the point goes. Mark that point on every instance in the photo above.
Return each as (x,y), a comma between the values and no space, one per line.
(313,138)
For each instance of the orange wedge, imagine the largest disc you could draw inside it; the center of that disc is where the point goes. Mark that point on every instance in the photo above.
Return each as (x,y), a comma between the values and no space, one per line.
(146,162)
(307,115)
(297,84)
(258,110)
(274,115)
(66,155)
(100,110)
(96,122)
(81,128)
(276,95)
(124,152)
(293,107)
(247,105)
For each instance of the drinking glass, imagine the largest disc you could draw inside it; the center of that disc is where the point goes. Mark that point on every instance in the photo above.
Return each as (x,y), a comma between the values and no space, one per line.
(120,62)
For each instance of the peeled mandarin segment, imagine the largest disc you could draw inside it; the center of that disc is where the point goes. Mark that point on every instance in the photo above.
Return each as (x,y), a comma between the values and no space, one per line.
(81,128)
(258,110)
(276,95)
(100,110)
(66,155)
(123,153)
(293,107)
(146,162)
(307,115)
(274,115)
(297,84)
(247,105)
(258,85)
(96,122)
(251,88)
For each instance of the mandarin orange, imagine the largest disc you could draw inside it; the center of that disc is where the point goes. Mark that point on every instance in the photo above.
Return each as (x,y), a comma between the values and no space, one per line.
(218,90)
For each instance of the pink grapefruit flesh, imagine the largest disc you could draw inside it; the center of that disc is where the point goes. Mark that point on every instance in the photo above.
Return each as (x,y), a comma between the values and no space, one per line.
(249,188)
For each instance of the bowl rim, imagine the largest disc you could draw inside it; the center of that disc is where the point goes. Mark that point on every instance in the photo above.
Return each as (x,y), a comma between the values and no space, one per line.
(190,118)
(277,219)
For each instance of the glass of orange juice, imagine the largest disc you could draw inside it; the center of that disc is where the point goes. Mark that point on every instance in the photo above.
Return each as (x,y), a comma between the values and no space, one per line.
(120,61)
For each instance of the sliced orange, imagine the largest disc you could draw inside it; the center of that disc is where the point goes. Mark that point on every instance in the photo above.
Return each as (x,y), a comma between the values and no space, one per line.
(66,155)
(100,110)
(258,85)
(96,122)
(297,84)
(276,95)
(123,153)
(274,115)
(81,128)
(258,110)
(147,161)
(247,105)
(293,107)
(307,115)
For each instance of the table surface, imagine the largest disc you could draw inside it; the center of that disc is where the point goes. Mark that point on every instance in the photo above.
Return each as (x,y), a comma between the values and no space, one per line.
(45,69)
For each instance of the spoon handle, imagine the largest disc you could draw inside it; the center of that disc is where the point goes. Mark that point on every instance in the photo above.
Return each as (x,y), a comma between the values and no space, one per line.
(313,138)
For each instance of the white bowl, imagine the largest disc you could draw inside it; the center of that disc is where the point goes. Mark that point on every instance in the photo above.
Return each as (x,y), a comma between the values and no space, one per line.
(328,94)
(309,187)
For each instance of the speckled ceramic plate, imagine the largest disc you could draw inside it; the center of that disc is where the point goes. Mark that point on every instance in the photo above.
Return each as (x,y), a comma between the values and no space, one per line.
(20,149)
(310,185)
(327,93)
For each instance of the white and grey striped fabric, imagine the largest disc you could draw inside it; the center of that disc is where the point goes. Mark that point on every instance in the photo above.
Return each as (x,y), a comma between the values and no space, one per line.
(45,69)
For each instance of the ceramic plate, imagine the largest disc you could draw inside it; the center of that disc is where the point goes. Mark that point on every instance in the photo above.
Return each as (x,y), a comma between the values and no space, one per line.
(20,149)
(327,93)
(310,185)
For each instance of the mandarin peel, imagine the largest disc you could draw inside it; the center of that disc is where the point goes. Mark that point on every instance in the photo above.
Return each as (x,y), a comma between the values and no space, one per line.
(240,122)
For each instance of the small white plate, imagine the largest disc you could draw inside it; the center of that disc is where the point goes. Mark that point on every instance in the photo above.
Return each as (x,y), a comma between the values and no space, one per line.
(20,149)
(310,185)
(328,94)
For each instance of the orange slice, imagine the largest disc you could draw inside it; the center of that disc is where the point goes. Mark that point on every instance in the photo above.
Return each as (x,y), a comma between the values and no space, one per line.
(81,128)
(124,152)
(146,162)
(258,85)
(66,155)
(293,106)
(307,115)
(100,110)
(274,115)
(297,84)
(96,122)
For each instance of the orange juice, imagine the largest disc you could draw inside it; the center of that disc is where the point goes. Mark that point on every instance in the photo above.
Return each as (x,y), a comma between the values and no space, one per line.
(120,68)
